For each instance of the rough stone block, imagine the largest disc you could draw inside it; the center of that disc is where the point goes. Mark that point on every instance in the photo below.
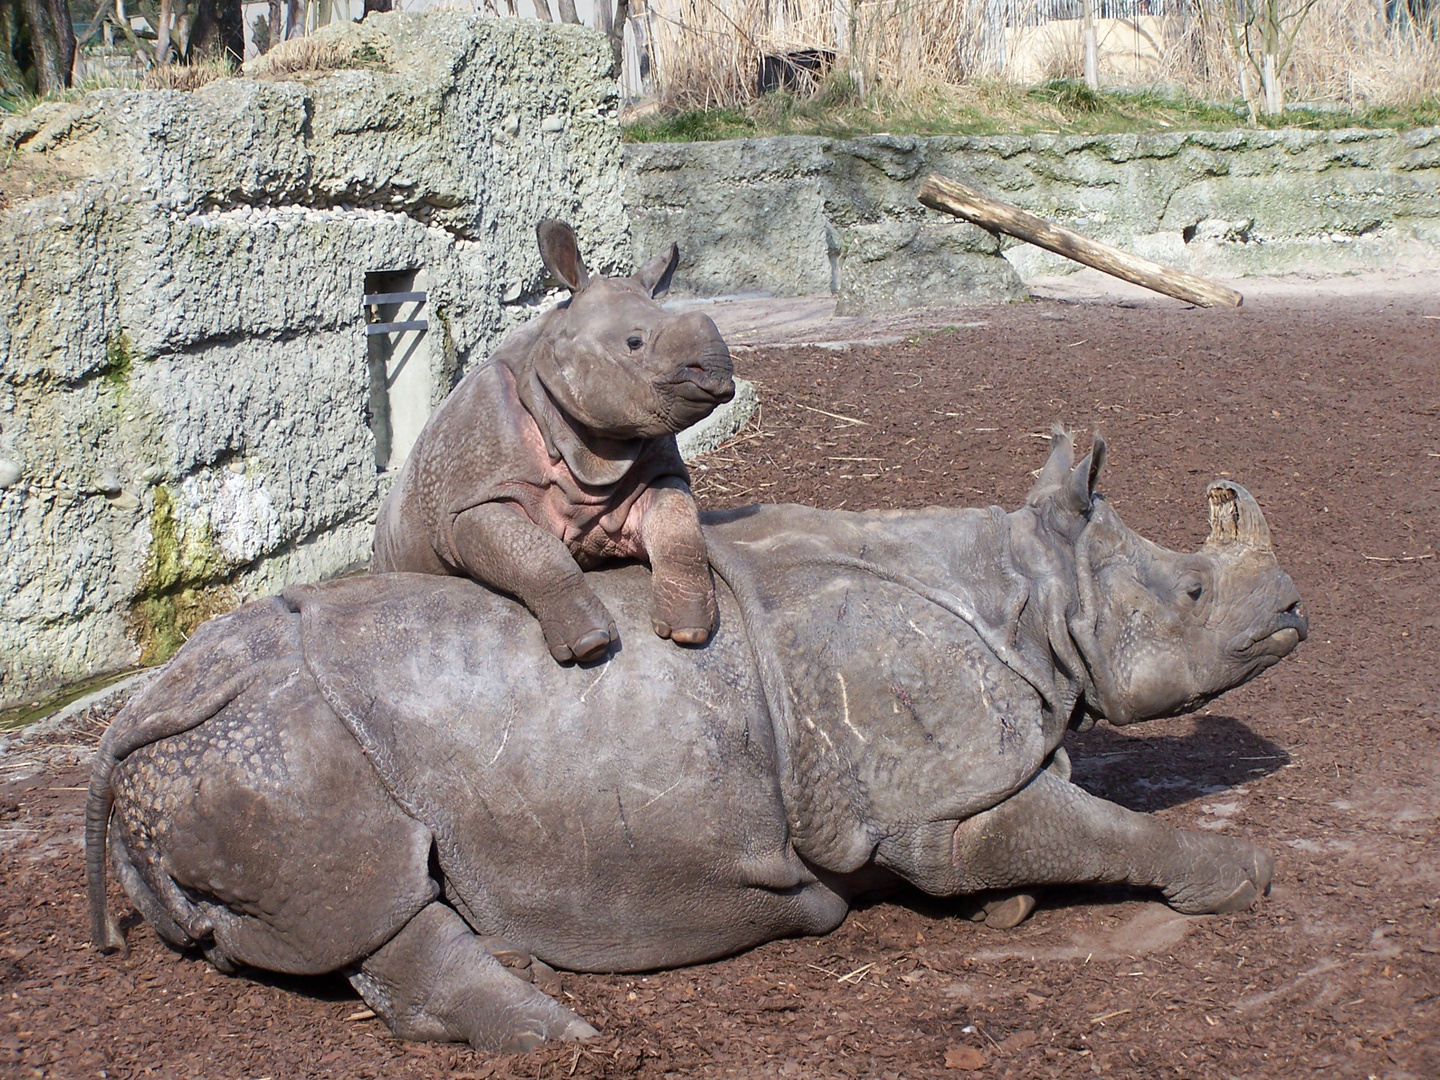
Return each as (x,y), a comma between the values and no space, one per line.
(184,380)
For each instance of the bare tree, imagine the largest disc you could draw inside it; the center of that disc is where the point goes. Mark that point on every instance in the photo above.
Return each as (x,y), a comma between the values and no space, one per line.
(567,10)
(218,31)
(542,11)
(38,46)
(617,31)
(639,26)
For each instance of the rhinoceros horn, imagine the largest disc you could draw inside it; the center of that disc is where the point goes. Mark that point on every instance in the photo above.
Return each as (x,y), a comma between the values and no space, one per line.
(1236,524)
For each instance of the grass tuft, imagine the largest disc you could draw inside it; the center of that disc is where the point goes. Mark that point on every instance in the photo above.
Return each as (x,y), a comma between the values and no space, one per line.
(1059,107)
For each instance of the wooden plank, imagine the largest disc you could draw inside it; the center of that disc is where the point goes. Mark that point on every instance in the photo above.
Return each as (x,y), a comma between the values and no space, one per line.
(942,193)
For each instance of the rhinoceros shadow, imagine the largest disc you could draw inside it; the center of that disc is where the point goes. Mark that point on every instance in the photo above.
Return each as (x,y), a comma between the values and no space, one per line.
(1154,772)
(1146,773)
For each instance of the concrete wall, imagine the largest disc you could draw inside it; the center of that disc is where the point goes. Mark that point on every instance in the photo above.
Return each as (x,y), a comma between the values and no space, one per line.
(184,379)
(806,216)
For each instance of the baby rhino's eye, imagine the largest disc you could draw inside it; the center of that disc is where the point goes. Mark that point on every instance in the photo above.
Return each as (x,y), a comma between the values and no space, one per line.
(634,341)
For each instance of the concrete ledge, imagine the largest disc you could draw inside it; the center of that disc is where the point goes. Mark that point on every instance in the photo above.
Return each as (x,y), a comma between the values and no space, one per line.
(810,216)
(188,401)
(720,426)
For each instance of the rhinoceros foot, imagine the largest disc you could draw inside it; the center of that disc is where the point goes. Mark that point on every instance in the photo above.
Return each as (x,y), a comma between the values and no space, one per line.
(1010,912)
(1224,875)
(576,625)
(999,911)
(682,600)
(684,612)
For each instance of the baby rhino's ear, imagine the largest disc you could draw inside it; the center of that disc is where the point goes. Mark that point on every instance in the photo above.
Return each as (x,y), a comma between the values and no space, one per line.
(561,254)
(654,277)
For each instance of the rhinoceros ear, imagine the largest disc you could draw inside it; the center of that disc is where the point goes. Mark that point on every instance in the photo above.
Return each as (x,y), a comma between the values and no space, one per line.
(1079,487)
(654,277)
(561,254)
(1057,468)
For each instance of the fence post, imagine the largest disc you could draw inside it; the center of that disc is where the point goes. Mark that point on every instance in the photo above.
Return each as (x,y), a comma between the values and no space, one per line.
(1092,49)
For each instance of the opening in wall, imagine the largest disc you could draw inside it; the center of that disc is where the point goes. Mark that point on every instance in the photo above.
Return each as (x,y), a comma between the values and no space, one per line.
(399,354)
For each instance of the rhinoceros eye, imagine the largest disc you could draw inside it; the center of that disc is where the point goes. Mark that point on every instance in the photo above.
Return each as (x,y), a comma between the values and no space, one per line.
(1195,592)
(634,341)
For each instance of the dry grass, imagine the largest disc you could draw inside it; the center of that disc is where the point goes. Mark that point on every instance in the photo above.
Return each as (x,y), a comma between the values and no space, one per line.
(706,53)
(187,76)
(334,48)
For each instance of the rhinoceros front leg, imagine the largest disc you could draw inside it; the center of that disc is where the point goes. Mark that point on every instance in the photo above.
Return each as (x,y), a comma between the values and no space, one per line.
(436,981)
(682,604)
(499,547)
(1052,832)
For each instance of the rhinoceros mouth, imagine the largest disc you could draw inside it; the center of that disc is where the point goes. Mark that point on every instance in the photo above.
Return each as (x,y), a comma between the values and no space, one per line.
(700,384)
(1289,629)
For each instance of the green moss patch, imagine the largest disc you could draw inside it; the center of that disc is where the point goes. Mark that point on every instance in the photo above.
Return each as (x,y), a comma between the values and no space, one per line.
(182,585)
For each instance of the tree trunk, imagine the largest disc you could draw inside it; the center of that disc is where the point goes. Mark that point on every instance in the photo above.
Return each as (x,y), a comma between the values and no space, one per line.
(219,31)
(1092,50)
(12,78)
(642,54)
(1270,82)
(1236,23)
(43,26)
(162,34)
(941,193)
(97,23)
(617,35)
(542,11)
(1269,64)
(568,15)
(277,24)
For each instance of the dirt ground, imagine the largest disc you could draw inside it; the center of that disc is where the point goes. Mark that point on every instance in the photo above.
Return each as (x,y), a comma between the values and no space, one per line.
(1327,408)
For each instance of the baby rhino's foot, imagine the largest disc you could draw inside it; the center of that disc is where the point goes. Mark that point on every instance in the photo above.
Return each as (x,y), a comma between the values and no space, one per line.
(684,612)
(576,626)
(590,646)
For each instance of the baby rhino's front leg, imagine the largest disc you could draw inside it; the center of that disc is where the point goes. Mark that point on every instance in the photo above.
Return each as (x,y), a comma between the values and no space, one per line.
(501,548)
(682,604)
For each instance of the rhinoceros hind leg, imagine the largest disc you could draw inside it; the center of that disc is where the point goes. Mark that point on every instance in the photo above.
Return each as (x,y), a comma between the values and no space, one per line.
(436,981)
(1052,833)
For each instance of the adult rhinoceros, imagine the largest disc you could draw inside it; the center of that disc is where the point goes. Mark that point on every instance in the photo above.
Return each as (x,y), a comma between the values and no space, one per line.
(387,776)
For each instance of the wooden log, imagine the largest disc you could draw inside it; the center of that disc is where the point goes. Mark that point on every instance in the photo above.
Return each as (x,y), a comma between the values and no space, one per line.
(944,194)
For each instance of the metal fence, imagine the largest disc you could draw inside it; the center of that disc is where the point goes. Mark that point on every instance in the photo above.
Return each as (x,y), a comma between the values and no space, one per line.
(1035,12)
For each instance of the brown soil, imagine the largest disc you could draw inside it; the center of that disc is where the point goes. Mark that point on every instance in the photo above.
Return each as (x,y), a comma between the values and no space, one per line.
(1328,411)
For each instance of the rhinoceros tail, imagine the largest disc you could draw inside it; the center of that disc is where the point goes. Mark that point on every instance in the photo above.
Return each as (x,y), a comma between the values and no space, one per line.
(104,933)
(213,669)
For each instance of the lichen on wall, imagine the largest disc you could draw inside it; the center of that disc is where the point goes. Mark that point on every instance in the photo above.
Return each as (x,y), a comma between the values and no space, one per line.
(183,367)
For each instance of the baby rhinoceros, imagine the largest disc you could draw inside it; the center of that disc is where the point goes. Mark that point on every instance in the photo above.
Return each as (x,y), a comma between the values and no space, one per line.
(559,455)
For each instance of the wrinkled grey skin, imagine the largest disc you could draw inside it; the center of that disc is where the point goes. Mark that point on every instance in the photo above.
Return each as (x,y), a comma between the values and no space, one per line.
(377,776)
(559,455)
